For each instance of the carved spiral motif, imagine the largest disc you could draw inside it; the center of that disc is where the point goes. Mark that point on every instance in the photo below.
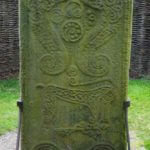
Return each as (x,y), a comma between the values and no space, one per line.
(57,16)
(46,147)
(72,31)
(47,4)
(73,10)
(93,65)
(113,10)
(53,63)
(98,62)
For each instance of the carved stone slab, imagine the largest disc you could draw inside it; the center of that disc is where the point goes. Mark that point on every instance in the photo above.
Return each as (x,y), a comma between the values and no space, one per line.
(74,73)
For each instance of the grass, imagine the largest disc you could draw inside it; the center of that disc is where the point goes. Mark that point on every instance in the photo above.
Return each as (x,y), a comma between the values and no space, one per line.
(139,113)
(147,144)
(9,94)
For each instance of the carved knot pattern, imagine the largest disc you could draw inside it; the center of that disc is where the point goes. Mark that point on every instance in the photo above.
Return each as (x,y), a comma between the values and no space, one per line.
(72,31)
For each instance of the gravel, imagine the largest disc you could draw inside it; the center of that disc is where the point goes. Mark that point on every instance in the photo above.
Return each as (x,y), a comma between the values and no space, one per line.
(8,141)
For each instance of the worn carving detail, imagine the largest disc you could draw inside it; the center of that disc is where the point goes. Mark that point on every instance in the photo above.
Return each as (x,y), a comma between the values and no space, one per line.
(98,4)
(73,9)
(57,16)
(102,147)
(72,75)
(44,5)
(110,3)
(114,10)
(93,84)
(46,146)
(90,18)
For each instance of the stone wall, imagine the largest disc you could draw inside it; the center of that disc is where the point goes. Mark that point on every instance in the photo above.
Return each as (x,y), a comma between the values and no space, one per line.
(9,51)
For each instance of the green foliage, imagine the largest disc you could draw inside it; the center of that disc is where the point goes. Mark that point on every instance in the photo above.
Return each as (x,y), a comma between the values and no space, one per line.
(147,144)
(139,113)
(9,93)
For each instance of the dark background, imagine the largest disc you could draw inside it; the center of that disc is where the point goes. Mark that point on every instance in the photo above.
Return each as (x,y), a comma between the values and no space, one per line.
(9,45)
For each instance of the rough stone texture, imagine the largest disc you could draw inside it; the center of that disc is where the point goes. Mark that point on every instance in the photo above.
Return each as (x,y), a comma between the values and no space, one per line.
(75,61)
(9,51)
(140,58)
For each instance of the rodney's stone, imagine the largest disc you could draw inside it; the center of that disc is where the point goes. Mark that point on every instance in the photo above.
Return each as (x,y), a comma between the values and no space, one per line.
(75,56)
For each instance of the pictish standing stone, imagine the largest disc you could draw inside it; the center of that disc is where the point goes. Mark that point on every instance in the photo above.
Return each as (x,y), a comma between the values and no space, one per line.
(74,73)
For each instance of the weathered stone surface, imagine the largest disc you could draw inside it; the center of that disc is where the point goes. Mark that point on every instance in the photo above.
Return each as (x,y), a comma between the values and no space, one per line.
(75,58)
